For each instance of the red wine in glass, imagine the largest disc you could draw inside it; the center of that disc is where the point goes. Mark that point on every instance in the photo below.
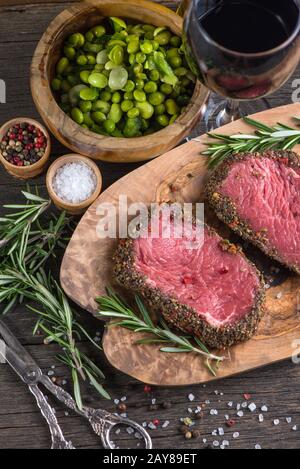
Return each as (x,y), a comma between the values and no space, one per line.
(242,50)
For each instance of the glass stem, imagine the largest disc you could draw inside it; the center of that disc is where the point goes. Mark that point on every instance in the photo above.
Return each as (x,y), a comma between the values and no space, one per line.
(230,113)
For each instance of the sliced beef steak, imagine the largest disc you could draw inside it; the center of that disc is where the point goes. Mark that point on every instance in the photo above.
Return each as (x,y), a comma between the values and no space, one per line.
(212,291)
(258,196)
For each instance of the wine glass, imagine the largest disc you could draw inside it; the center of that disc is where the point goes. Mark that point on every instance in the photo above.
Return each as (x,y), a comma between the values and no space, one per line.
(242,50)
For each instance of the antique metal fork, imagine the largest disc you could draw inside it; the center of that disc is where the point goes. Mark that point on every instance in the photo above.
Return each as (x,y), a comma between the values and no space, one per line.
(25,366)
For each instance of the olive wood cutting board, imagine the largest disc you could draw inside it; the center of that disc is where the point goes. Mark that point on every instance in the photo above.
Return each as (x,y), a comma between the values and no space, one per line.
(87,267)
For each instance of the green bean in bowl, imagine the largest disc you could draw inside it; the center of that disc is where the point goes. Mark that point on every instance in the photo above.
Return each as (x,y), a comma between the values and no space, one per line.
(123,80)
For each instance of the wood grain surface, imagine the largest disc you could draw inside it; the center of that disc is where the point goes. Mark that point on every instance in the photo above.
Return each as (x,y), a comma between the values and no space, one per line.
(87,269)
(21,425)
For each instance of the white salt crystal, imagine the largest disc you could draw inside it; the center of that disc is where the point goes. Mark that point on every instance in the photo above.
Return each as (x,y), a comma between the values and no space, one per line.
(221,431)
(252,407)
(116,401)
(165,424)
(130,430)
(261,418)
(216,443)
(117,431)
(230,404)
(289,419)
(74,182)
(225,443)
(264,408)
(152,426)
(276,422)
(240,413)
(123,399)
(238,406)
(279,296)
(257,446)
(236,435)
(204,440)
(138,436)
(244,405)
(295,428)
(191,397)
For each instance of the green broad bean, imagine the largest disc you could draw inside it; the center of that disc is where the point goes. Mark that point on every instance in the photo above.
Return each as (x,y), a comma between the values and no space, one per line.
(94,48)
(154,75)
(131,59)
(87,119)
(82,60)
(116,97)
(98,117)
(139,95)
(89,36)
(116,55)
(150,87)
(116,42)
(173,52)
(148,27)
(149,36)
(130,86)
(91,59)
(62,65)
(140,57)
(133,47)
(138,68)
(98,31)
(77,115)
(145,124)
(163,38)
(139,84)
(171,107)
(175,41)
(98,80)
(118,78)
(69,52)
(110,65)
(146,109)
(109,125)
(84,126)
(128,96)
(127,105)
(105,96)
(84,76)
(173,119)
(166,89)
(160,109)
(175,62)
(115,113)
(156,98)
(155,45)
(134,112)
(146,47)
(102,106)
(76,40)
(85,106)
(56,84)
(118,23)
(181,71)
(102,57)
(132,127)
(96,128)
(163,120)
(89,94)
(117,133)
(99,68)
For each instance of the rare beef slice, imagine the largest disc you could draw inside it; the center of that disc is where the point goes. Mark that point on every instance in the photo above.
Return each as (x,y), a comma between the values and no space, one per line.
(213,292)
(258,196)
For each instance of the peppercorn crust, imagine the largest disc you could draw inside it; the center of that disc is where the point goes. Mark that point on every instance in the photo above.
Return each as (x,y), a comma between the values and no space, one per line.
(225,208)
(180,315)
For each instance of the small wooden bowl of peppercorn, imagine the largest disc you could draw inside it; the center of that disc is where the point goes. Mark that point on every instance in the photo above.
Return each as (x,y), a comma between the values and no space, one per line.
(74,182)
(73,132)
(24,147)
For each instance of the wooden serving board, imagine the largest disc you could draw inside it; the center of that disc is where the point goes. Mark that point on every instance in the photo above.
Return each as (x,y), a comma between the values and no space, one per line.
(86,271)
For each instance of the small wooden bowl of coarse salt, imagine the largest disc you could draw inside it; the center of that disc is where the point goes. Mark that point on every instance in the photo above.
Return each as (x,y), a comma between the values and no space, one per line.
(74,182)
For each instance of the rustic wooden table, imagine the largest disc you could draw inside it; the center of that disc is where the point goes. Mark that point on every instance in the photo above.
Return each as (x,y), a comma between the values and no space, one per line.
(21,425)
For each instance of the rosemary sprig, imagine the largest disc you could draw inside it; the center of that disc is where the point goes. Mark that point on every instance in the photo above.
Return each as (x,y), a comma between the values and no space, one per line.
(28,246)
(113,307)
(279,137)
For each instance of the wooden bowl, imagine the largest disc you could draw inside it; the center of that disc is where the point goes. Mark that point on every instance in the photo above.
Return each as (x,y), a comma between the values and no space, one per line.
(25,172)
(74,209)
(81,17)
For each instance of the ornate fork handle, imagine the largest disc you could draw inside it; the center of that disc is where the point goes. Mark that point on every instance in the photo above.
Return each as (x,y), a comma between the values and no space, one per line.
(58,440)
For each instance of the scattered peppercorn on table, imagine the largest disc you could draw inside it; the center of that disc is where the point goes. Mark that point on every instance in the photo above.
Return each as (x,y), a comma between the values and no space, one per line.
(257,409)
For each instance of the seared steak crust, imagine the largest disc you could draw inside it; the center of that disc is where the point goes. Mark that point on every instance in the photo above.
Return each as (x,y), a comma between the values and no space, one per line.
(227,210)
(180,315)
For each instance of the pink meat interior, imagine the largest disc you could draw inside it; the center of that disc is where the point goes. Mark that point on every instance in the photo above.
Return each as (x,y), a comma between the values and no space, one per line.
(221,287)
(267,196)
